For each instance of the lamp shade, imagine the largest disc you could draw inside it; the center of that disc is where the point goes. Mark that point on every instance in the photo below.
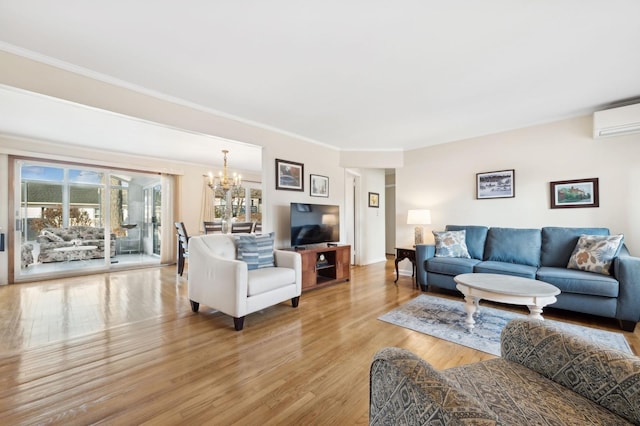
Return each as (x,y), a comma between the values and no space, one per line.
(419,217)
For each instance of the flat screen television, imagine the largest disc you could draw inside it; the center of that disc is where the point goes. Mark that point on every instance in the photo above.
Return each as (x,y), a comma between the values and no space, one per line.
(314,224)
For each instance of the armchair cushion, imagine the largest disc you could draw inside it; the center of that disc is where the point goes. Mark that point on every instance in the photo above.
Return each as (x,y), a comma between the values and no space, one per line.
(265,280)
(256,250)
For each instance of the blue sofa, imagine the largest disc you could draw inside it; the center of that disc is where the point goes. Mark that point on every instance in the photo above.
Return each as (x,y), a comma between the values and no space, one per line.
(541,254)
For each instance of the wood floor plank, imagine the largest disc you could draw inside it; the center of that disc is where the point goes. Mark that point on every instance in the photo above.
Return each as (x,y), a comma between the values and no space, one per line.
(125,348)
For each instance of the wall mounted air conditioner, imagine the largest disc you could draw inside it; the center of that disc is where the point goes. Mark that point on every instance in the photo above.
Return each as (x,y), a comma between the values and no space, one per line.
(616,121)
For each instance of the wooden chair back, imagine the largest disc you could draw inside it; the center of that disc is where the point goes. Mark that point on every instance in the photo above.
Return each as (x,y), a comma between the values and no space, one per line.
(245,227)
(183,246)
(212,227)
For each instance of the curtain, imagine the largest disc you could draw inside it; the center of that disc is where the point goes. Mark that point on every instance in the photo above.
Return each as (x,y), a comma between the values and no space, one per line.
(167,232)
(207,211)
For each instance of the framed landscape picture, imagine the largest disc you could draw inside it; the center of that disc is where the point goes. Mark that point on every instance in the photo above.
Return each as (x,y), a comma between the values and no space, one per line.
(319,186)
(289,175)
(500,184)
(574,193)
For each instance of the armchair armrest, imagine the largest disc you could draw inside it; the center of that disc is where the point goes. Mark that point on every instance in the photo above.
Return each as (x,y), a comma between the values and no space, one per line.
(290,259)
(423,252)
(606,376)
(399,379)
(230,291)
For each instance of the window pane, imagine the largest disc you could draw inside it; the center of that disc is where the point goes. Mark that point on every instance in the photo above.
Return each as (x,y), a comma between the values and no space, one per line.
(85,176)
(84,206)
(42,173)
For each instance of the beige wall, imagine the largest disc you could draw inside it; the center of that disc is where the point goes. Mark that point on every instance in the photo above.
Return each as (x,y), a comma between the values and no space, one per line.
(41,78)
(442,178)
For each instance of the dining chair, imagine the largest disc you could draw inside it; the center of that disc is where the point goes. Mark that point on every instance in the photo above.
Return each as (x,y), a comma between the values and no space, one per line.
(212,227)
(183,246)
(244,227)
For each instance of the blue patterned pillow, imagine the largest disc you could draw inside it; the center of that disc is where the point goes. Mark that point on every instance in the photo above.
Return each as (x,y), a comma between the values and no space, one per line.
(256,250)
(451,244)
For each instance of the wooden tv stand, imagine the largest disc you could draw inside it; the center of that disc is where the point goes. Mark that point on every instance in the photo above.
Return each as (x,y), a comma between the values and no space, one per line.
(334,268)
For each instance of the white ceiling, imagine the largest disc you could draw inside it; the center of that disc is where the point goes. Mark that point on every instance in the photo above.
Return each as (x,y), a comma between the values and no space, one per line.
(358,74)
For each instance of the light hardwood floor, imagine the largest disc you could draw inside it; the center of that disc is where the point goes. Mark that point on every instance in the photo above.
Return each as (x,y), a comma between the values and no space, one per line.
(125,348)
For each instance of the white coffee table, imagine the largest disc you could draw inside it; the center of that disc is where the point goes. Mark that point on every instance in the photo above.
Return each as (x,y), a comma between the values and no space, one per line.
(504,289)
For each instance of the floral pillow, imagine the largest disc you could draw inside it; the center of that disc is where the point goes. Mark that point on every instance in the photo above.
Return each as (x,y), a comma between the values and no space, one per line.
(451,244)
(595,253)
(51,236)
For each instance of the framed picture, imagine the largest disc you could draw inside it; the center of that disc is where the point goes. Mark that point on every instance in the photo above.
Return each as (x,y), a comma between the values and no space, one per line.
(574,193)
(501,184)
(289,175)
(319,186)
(374,199)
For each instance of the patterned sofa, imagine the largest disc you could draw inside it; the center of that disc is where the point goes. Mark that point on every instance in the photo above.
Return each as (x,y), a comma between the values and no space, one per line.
(545,377)
(52,238)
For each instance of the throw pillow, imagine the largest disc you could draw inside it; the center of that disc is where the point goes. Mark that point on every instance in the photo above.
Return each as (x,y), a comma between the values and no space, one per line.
(51,236)
(595,253)
(256,250)
(451,244)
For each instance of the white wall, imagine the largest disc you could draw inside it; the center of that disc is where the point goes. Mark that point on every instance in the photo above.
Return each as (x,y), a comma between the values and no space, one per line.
(372,220)
(442,178)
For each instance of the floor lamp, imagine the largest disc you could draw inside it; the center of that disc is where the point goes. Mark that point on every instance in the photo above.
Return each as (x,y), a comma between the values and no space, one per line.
(419,218)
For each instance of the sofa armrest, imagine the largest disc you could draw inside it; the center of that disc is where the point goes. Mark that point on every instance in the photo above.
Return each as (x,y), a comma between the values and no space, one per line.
(423,252)
(626,269)
(606,376)
(404,389)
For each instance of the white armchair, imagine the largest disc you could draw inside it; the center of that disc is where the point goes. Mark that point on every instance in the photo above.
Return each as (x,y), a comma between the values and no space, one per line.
(219,281)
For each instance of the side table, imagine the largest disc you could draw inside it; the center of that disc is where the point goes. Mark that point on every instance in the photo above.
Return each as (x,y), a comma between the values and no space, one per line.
(406,253)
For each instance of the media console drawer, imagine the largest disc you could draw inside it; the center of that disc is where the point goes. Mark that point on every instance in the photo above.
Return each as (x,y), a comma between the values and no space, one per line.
(325,266)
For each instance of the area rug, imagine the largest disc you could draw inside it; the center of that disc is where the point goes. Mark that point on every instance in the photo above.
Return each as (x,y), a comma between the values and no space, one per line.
(444,318)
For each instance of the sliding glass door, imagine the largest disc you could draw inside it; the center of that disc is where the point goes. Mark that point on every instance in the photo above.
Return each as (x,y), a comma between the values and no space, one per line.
(75,218)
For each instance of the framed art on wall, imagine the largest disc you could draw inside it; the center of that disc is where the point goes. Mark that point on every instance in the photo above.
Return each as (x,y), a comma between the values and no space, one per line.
(500,184)
(319,186)
(574,193)
(289,175)
(374,199)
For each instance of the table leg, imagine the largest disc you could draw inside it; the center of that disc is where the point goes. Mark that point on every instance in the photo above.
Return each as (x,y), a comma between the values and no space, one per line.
(470,307)
(535,312)
(397,273)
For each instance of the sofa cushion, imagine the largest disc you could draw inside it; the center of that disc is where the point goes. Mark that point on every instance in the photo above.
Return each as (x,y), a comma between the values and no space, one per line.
(580,282)
(513,245)
(558,243)
(451,244)
(492,267)
(451,265)
(475,238)
(595,253)
(255,249)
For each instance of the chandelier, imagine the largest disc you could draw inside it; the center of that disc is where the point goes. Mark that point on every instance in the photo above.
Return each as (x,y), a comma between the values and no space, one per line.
(223,181)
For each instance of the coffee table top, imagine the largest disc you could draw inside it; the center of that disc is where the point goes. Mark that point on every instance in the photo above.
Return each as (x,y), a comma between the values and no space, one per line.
(507,284)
